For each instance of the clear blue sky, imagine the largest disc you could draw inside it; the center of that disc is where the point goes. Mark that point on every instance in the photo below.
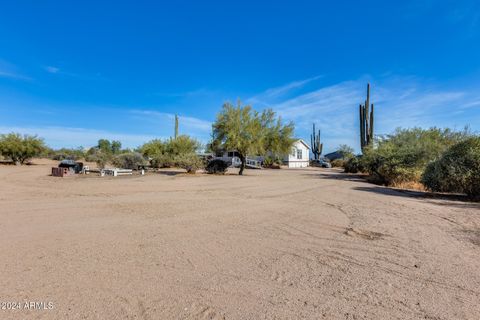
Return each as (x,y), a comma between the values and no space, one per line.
(77,71)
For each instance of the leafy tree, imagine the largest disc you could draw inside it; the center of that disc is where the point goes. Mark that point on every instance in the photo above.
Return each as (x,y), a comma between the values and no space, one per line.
(278,138)
(182,145)
(115,146)
(246,131)
(104,145)
(213,146)
(20,148)
(152,148)
(104,152)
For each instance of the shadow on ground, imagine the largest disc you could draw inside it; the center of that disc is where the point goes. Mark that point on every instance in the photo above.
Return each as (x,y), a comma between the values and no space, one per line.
(457,200)
(335,175)
(170,172)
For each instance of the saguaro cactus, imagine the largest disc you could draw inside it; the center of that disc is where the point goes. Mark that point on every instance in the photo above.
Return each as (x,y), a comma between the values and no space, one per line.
(366,121)
(176,127)
(317,146)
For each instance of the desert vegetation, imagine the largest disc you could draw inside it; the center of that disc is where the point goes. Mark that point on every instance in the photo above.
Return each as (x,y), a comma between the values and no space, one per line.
(177,152)
(272,162)
(315,143)
(403,156)
(436,159)
(457,170)
(20,148)
(129,160)
(250,132)
(345,154)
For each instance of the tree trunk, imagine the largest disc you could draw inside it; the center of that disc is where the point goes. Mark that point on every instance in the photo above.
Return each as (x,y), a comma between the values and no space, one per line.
(242,166)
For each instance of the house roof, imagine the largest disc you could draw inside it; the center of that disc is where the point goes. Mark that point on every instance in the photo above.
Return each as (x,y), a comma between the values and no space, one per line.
(303,142)
(334,155)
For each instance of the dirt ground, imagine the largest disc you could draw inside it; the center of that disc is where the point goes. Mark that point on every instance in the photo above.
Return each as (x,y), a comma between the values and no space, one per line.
(274,244)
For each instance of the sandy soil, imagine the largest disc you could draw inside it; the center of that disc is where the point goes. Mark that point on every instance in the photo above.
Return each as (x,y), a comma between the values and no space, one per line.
(274,244)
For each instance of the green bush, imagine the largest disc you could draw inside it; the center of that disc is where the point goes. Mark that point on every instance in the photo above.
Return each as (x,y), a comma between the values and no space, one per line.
(402,156)
(272,162)
(458,170)
(162,160)
(163,154)
(152,148)
(353,165)
(346,151)
(182,145)
(129,160)
(101,158)
(188,161)
(19,149)
(337,163)
(268,162)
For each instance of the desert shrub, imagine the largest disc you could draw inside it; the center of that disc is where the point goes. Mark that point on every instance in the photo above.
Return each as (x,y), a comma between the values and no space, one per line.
(162,161)
(104,152)
(163,154)
(217,166)
(353,165)
(267,162)
(272,162)
(402,156)
(101,158)
(337,163)
(129,160)
(346,151)
(152,148)
(188,161)
(182,145)
(458,170)
(18,148)
(155,151)
(65,153)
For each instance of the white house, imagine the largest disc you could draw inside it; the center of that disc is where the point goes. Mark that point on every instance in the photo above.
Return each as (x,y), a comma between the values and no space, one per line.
(299,156)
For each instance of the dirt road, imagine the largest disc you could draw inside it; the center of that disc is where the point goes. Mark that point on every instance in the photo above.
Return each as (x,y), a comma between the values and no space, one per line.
(274,244)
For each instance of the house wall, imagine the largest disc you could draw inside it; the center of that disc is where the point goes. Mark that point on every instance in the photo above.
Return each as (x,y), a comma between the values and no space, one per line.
(294,161)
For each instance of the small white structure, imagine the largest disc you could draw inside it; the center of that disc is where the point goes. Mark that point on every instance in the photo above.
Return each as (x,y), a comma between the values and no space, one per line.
(299,156)
(115,172)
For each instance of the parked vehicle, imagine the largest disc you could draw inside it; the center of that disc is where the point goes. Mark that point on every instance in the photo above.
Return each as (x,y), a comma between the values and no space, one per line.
(217,166)
(321,163)
(72,165)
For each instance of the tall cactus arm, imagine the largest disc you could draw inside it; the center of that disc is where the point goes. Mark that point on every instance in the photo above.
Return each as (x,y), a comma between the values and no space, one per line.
(371,124)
